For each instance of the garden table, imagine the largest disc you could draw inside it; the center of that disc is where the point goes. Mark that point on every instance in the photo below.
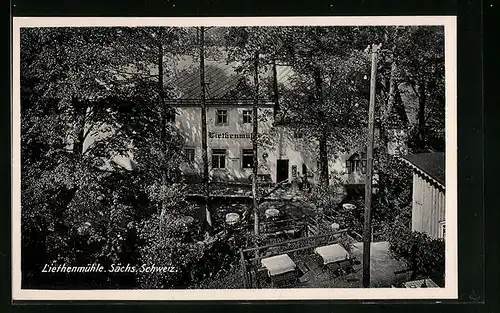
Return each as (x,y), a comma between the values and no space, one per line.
(348,206)
(272,213)
(232,218)
(335,226)
(332,253)
(280,268)
(278,264)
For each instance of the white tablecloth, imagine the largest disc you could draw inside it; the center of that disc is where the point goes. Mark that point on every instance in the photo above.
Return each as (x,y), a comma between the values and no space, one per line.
(279,264)
(418,283)
(232,218)
(348,206)
(332,253)
(272,213)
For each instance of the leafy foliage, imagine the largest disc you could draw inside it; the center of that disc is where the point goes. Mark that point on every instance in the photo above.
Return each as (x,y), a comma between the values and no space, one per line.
(424,255)
(394,194)
(85,108)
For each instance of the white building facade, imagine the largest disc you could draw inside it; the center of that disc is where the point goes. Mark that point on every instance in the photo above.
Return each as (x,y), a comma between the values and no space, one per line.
(283,153)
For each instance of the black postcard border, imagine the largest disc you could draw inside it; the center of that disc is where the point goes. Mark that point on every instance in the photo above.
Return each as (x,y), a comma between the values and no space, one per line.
(472,252)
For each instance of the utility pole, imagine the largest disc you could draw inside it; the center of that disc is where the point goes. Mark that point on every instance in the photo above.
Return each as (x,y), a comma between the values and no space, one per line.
(367,230)
(206,186)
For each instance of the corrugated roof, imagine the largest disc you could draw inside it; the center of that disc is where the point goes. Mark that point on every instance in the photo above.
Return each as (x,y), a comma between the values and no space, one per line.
(431,164)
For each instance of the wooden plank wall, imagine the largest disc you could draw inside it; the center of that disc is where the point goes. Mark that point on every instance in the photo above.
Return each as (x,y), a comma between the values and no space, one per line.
(428,207)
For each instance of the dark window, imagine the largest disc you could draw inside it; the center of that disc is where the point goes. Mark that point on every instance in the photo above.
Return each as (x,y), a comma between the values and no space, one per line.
(304,169)
(170,116)
(247,158)
(218,158)
(355,164)
(221,117)
(190,153)
(247,116)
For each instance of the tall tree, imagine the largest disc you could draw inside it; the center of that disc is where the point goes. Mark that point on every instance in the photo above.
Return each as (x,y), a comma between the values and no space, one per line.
(255,133)
(67,80)
(86,110)
(242,46)
(206,182)
(325,59)
(412,65)
(422,67)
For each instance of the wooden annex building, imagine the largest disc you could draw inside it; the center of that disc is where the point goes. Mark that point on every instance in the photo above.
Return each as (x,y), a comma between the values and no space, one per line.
(428,204)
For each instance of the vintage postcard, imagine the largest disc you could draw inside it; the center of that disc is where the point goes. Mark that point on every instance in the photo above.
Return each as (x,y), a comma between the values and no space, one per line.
(255,158)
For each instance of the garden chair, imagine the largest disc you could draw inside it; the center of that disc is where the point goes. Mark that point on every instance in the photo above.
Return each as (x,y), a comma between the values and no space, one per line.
(288,279)
(262,278)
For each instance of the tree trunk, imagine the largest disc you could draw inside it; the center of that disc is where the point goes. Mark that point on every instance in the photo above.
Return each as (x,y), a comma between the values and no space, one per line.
(323,138)
(421,116)
(323,158)
(79,130)
(206,182)
(384,135)
(400,108)
(163,123)
(66,195)
(254,142)
(275,89)
(392,87)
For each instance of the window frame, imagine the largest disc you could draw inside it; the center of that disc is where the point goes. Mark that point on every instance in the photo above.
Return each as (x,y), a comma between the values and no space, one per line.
(363,166)
(243,153)
(356,164)
(217,111)
(217,152)
(294,171)
(247,114)
(187,155)
(170,116)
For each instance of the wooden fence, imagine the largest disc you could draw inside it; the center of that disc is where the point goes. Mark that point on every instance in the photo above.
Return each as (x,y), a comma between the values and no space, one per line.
(250,258)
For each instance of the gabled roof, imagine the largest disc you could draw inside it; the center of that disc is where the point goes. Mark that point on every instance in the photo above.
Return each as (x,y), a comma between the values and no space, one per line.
(432,165)
(223,81)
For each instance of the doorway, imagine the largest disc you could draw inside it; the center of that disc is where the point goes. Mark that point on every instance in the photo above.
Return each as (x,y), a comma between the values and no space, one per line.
(281,170)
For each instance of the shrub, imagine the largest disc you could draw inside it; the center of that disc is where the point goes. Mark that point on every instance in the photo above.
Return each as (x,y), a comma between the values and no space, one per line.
(424,256)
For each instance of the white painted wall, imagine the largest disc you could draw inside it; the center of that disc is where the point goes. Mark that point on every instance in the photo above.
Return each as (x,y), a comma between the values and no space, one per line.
(277,142)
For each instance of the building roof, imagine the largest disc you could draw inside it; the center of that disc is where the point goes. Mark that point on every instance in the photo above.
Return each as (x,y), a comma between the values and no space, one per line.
(223,81)
(431,165)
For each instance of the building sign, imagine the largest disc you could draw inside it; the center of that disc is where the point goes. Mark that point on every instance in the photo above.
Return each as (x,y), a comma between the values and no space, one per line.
(226,135)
